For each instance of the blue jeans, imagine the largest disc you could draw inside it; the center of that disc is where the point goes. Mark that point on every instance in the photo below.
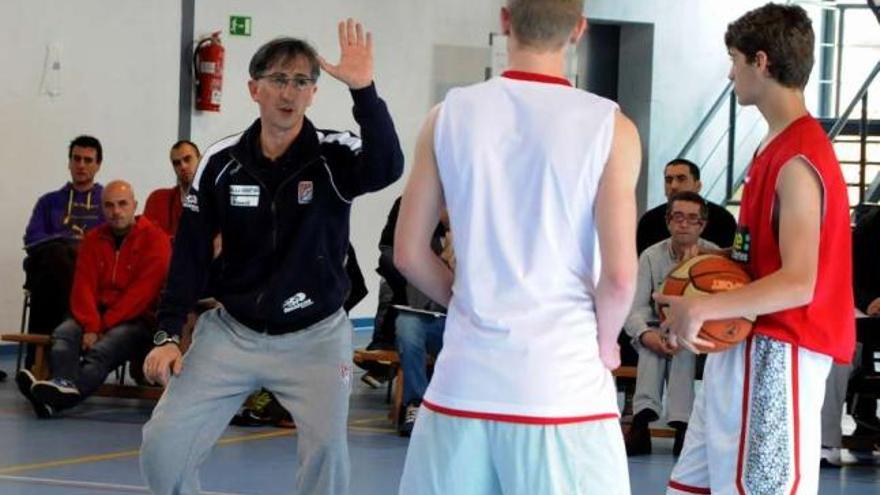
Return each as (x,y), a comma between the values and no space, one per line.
(417,336)
(117,345)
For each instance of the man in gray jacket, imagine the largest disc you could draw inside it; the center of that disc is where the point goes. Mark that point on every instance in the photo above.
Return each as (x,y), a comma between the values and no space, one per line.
(659,361)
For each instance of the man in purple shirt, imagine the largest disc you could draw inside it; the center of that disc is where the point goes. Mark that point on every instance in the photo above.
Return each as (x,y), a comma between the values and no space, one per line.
(58,222)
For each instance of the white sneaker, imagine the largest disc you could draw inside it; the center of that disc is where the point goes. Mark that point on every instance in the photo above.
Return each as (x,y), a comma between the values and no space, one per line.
(830,457)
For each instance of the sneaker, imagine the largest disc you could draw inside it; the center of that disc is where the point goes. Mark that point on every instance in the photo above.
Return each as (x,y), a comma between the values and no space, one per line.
(371,380)
(25,381)
(409,419)
(830,458)
(249,417)
(57,392)
(262,409)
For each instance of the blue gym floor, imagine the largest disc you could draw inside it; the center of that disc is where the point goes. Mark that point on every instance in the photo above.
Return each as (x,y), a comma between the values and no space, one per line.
(93,450)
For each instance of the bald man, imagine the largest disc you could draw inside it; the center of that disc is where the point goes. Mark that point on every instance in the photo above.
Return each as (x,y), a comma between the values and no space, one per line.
(120,268)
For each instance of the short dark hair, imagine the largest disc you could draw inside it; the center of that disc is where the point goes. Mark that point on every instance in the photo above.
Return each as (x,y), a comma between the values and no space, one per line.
(282,50)
(186,141)
(86,142)
(692,167)
(544,24)
(784,33)
(690,197)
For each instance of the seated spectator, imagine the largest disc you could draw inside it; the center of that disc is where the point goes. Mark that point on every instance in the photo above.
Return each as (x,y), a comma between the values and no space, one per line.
(686,218)
(684,175)
(120,268)
(420,327)
(58,222)
(392,288)
(165,205)
(866,288)
(392,292)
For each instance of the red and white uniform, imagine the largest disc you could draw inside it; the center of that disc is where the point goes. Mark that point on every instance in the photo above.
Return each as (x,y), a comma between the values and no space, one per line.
(756,422)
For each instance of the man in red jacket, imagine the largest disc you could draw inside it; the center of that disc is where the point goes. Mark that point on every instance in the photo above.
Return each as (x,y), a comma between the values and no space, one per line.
(120,268)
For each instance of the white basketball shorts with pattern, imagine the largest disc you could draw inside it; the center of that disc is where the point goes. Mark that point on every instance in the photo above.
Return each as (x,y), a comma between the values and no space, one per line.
(756,424)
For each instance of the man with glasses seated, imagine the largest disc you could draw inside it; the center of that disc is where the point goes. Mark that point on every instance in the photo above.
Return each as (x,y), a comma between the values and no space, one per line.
(686,218)
(280,195)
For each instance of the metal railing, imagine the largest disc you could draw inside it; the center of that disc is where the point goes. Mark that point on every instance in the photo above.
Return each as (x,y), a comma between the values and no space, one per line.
(861,94)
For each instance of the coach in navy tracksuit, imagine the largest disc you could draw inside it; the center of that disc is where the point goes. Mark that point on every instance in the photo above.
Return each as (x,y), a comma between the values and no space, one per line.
(280,194)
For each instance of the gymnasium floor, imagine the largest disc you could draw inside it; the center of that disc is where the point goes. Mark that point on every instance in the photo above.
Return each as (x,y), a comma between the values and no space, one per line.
(93,450)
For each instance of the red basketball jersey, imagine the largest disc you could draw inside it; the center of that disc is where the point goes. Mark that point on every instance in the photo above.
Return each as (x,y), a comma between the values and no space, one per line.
(826,324)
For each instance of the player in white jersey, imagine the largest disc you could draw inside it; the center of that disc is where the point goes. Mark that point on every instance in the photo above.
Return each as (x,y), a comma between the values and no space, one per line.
(539,180)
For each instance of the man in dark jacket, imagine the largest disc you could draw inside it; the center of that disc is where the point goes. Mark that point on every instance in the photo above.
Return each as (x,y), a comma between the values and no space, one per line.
(280,195)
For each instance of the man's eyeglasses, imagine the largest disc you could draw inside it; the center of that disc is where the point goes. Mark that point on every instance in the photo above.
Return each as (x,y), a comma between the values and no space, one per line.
(280,81)
(692,219)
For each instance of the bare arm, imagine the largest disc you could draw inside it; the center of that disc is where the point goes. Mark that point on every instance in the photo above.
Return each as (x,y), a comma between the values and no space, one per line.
(616,225)
(799,199)
(419,214)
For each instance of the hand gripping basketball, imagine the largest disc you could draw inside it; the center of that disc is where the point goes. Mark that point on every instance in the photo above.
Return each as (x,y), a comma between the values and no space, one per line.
(703,275)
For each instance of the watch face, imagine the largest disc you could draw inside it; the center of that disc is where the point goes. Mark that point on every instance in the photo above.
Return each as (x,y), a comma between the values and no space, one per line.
(160,337)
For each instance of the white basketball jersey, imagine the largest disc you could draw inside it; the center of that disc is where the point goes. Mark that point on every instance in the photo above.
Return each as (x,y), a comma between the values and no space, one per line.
(520,158)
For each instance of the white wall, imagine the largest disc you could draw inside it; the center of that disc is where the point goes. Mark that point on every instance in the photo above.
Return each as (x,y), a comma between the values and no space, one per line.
(119,82)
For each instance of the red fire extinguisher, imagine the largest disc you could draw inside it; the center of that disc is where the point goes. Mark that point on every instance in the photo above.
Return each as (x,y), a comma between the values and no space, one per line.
(208,65)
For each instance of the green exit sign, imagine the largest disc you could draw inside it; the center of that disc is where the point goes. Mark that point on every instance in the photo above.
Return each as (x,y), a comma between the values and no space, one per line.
(239,25)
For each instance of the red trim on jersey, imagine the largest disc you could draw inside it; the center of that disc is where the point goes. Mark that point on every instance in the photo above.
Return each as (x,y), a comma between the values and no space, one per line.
(534,77)
(744,425)
(688,489)
(795,407)
(512,418)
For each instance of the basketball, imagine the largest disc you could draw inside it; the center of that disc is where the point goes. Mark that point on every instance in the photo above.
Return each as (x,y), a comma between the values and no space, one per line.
(707,274)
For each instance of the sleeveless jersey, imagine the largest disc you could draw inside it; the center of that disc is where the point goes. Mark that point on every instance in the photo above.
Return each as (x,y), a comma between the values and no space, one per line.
(825,325)
(520,158)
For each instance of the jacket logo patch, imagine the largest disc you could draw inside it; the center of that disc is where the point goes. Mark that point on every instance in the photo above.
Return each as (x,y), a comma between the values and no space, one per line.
(191,202)
(248,196)
(298,301)
(305,192)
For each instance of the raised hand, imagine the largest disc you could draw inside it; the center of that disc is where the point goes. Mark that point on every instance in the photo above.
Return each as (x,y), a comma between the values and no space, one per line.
(355,67)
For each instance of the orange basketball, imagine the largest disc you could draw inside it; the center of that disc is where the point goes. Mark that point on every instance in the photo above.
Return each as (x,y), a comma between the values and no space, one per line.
(707,274)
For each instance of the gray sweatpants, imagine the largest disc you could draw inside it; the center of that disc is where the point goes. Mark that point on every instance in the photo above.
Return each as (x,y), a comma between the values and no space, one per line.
(308,371)
(677,374)
(835,398)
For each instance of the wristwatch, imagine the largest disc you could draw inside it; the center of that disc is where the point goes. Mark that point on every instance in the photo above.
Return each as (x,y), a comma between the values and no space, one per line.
(161,338)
